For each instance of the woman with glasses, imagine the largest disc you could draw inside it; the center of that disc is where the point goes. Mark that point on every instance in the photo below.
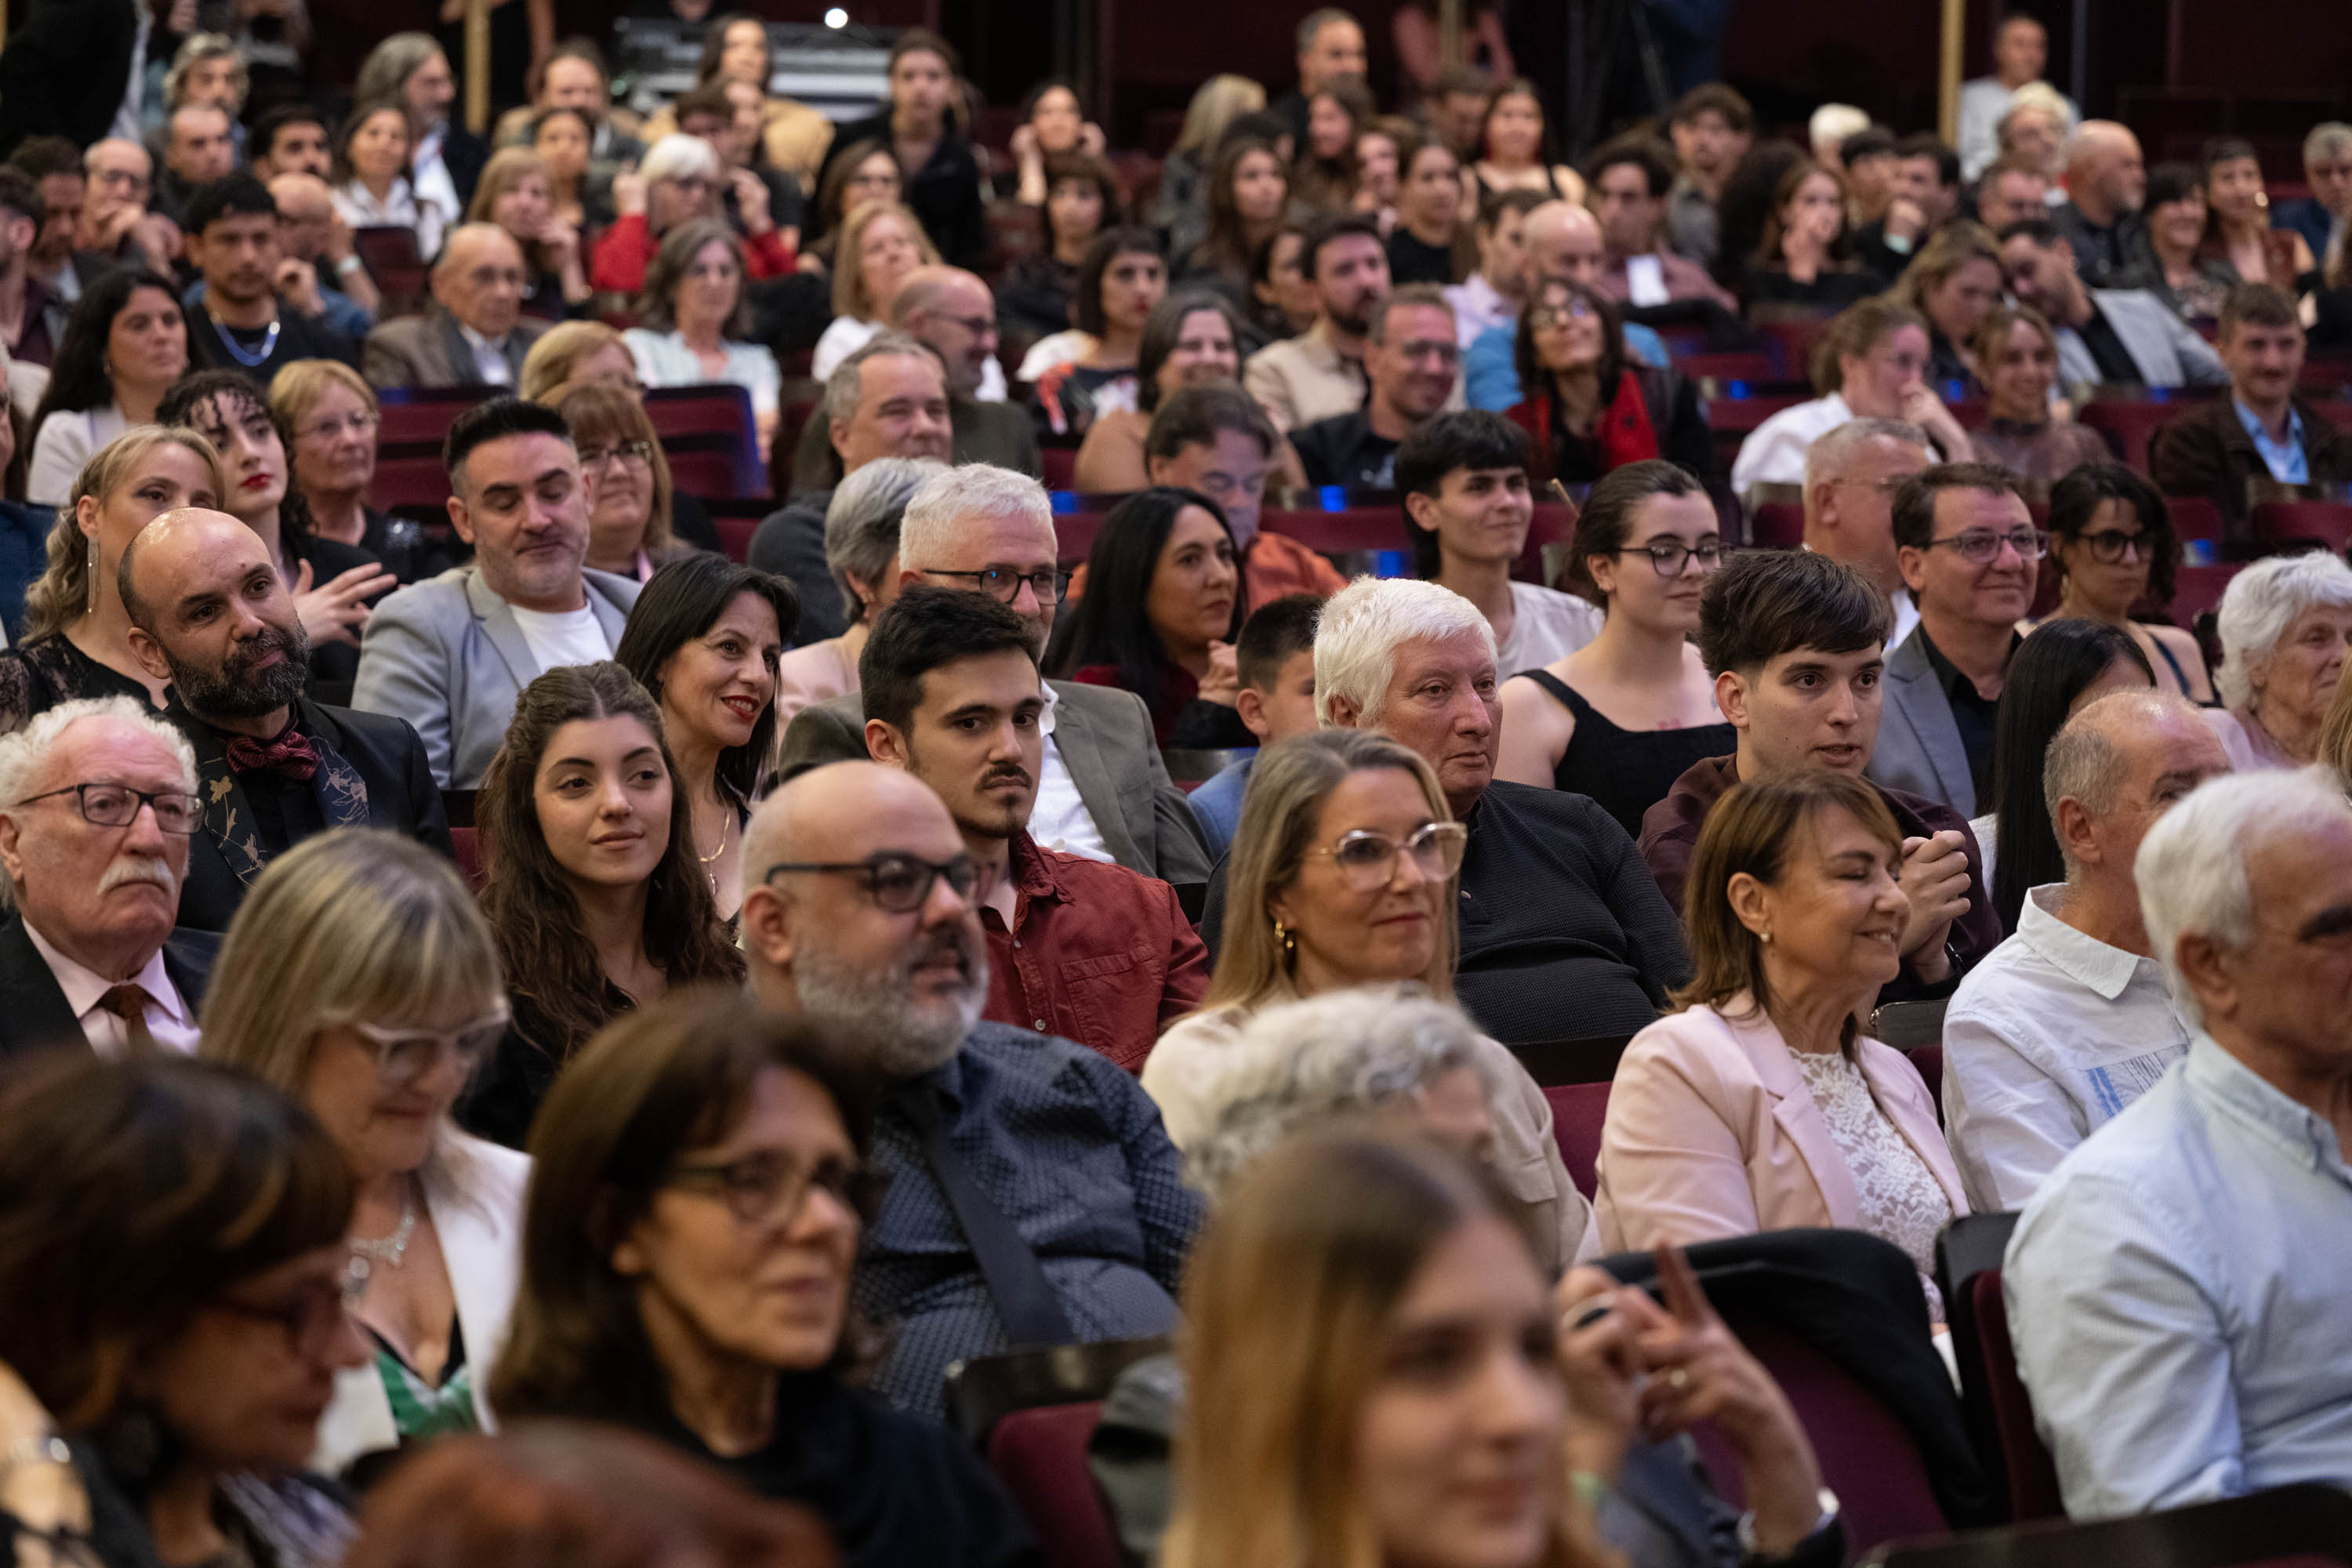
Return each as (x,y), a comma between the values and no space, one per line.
(2016,357)
(360,978)
(591,880)
(1341,875)
(862,173)
(1589,409)
(693,315)
(1625,716)
(333,416)
(173,1235)
(632,507)
(2112,547)
(1163,607)
(701,1183)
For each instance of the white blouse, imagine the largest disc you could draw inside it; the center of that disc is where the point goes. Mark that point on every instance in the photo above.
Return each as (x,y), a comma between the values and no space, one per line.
(401,207)
(664,359)
(67,441)
(1901,1201)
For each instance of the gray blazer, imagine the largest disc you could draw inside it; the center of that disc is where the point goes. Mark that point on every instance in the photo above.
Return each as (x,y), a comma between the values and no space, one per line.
(1919,748)
(2159,342)
(428,352)
(1105,737)
(447,655)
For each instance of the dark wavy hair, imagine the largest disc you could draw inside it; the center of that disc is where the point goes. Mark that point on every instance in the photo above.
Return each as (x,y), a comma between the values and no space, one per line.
(1164,326)
(714,45)
(1110,626)
(1086,300)
(2075,499)
(1226,246)
(2050,668)
(1535,380)
(551,967)
(194,392)
(1087,168)
(682,601)
(79,380)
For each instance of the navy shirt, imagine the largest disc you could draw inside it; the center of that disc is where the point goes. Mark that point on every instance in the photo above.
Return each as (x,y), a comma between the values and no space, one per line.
(1072,1149)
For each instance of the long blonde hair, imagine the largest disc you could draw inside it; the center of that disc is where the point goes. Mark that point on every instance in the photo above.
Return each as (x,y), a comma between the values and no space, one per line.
(1287,1300)
(1217,103)
(850,297)
(62,593)
(1285,801)
(549,364)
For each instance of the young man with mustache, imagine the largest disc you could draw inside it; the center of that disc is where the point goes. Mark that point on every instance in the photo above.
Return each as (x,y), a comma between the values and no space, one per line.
(210,613)
(1079,947)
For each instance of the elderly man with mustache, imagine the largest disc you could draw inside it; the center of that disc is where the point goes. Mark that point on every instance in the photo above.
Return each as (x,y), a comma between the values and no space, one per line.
(98,799)
(211,614)
(1034,1197)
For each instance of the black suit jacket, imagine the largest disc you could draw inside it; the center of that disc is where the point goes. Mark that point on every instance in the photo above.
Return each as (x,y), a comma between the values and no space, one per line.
(65,69)
(377,776)
(465,154)
(34,1013)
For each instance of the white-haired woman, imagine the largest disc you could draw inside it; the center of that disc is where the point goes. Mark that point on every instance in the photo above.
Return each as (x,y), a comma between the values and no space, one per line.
(360,978)
(861,551)
(679,180)
(2284,624)
(1343,874)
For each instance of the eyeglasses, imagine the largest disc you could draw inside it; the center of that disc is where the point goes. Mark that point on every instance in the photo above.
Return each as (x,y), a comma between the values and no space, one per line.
(626,451)
(1978,545)
(898,884)
(312,1317)
(404,1056)
(773,1188)
(123,179)
(978,326)
(117,805)
(1003,585)
(1669,556)
(1367,859)
(1560,315)
(360,424)
(2113,545)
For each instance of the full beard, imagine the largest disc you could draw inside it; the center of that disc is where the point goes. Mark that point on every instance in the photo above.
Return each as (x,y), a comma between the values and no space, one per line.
(898,1036)
(240,690)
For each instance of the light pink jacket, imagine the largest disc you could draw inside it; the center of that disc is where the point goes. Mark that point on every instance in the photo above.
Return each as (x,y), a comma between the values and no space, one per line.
(1711,1132)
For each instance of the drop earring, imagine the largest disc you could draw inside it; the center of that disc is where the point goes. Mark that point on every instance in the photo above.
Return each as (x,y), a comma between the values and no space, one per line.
(1284,940)
(93,574)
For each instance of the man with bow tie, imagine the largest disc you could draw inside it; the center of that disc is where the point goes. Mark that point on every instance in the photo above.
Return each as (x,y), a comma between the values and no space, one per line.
(210,613)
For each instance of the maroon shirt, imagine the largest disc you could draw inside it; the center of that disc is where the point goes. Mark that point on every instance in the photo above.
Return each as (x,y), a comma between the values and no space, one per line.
(1670,836)
(1098,954)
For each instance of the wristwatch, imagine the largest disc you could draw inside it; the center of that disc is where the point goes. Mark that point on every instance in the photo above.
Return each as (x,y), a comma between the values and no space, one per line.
(346,265)
(1747,1547)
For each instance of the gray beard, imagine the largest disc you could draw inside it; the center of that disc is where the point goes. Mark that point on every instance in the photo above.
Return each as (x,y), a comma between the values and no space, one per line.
(878,1012)
(232,693)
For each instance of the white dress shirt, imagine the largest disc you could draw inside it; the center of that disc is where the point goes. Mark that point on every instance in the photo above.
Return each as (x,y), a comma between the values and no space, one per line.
(401,207)
(1058,818)
(2047,1038)
(1478,307)
(1546,624)
(1774,452)
(130,116)
(169,1018)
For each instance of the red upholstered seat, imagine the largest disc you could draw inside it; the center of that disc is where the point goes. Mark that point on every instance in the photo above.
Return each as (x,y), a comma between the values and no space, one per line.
(1744,364)
(1777,525)
(422,419)
(1553,524)
(2032,1476)
(703,472)
(1040,1455)
(2197,589)
(735,534)
(2291,524)
(2194,517)
(1929,1061)
(1578,1111)
(466,845)
(714,422)
(2128,424)
(409,481)
(1061,466)
(1355,528)
(1074,532)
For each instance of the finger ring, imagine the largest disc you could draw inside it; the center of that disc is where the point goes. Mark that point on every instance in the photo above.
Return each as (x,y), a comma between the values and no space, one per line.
(1678,1380)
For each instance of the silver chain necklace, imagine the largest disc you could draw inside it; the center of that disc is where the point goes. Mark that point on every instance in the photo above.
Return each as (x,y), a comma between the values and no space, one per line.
(387,1250)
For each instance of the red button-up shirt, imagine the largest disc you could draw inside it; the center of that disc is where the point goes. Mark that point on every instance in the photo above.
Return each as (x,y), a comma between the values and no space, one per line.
(1098,954)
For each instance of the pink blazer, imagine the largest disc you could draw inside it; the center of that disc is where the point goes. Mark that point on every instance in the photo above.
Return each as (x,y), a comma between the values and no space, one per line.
(1711,1132)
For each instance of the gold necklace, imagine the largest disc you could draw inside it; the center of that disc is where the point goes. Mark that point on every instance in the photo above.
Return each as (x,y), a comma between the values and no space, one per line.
(726,823)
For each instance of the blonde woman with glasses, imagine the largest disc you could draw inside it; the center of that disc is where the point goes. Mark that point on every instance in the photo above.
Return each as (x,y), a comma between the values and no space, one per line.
(1343,874)
(360,978)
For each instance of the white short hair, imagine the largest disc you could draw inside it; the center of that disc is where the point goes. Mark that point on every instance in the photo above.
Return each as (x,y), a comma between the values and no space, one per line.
(2261,602)
(1357,636)
(1833,122)
(1342,1053)
(678,153)
(2192,867)
(938,512)
(24,753)
(1827,457)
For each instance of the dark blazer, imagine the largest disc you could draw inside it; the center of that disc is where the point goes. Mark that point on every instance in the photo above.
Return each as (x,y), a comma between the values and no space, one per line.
(372,773)
(1105,737)
(2207,452)
(2308,218)
(65,69)
(466,155)
(427,351)
(34,1013)
(334,665)
(24,556)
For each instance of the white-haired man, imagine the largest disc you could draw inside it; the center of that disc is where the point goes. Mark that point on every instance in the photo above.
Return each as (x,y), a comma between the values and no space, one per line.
(1102,789)
(476,334)
(1851,476)
(1564,933)
(1035,1199)
(97,803)
(2068,1022)
(2176,1289)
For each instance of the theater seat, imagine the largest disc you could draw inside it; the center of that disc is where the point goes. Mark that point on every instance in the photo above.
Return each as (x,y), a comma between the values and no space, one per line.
(1337,532)
(1061,466)
(2026,1466)
(465,843)
(2290,524)
(409,481)
(2308,1525)
(1074,534)
(2129,424)
(1040,1455)
(1578,1111)
(735,535)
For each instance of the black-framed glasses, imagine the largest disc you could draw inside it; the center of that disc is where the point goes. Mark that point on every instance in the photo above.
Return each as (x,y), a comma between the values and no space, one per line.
(898,883)
(1978,545)
(1003,585)
(1367,858)
(1671,555)
(772,1187)
(627,451)
(311,1316)
(404,1056)
(2113,545)
(117,805)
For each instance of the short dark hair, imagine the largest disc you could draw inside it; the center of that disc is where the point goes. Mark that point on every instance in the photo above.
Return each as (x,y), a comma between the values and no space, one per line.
(2227,150)
(263,142)
(2040,230)
(2173,181)
(1606,522)
(1914,498)
(1641,151)
(924,627)
(237,195)
(1928,144)
(2076,497)
(495,420)
(708,99)
(1714,97)
(1195,416)
(41,156)
(1085,304)
(1323,230)
(1870,141)
(1274,634)
(20,194)
(1766,602)
(1491,211)
(1164,326)
(2257,304)
(1466,438)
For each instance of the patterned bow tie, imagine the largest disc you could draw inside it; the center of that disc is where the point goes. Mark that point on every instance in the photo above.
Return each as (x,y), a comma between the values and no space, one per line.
(291,754)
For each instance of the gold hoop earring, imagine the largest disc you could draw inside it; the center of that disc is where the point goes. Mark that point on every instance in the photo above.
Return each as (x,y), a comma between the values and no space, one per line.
(93,574)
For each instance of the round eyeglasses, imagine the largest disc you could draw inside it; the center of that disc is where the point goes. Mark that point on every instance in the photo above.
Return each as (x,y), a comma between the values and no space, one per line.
(1367,858)
(772,1187)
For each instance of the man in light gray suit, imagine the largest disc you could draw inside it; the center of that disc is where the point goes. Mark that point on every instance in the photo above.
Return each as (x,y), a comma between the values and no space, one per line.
(451,654)
(2104,335)
(1102,789)
(1970,553)
(476,334)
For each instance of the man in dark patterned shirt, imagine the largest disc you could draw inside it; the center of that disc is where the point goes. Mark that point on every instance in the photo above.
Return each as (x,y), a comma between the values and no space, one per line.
(1033,1196)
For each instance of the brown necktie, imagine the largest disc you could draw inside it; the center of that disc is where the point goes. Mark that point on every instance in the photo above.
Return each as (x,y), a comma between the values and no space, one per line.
(129,1002)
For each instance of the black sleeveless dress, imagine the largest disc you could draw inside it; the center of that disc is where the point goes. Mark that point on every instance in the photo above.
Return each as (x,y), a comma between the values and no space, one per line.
(1626,771)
